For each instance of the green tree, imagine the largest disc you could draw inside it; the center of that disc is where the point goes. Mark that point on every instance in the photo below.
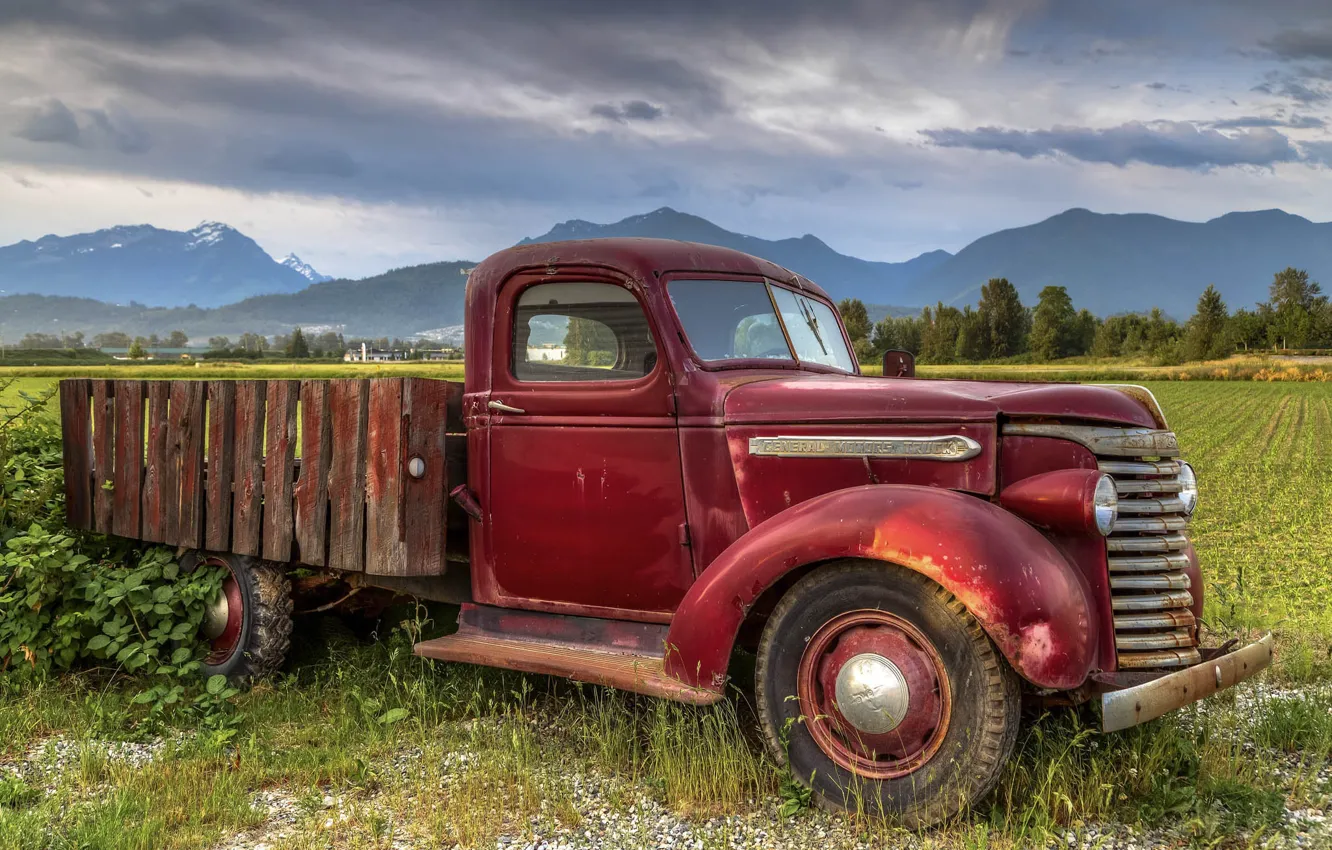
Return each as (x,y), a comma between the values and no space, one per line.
(1004,318)
(973,338)
(137,351)
(1052,324)
(112,339)
(296,345)
(1205,335)
(1247,328)
(219,343)
(858,327)
(588,342)
(939,331)
(897,332)
(1083,333)
(177,339)
(1291,308)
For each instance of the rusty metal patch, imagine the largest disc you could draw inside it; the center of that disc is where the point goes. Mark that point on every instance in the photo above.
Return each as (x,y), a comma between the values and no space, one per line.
(949,447)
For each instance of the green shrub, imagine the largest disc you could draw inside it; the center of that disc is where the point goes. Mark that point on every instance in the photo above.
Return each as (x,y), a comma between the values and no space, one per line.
(70,600)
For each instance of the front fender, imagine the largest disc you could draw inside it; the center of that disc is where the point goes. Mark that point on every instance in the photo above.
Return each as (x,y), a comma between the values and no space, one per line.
(1035,606)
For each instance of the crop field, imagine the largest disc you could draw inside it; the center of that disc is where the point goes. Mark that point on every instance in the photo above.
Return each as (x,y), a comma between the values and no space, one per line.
(361,745)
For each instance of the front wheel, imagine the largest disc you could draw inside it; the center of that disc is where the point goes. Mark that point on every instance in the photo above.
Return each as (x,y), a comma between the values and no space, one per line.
(248,627)
(883,694)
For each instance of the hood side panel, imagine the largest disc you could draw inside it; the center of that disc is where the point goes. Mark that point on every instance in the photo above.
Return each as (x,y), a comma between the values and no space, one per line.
(769,485)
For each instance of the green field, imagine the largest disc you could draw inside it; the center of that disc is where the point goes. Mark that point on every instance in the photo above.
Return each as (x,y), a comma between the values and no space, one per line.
(482,754)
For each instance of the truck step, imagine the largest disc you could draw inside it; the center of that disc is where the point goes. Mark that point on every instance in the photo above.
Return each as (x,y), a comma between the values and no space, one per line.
(621,655)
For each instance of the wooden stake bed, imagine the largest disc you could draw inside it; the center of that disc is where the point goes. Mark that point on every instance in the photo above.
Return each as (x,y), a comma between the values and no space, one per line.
(311,472)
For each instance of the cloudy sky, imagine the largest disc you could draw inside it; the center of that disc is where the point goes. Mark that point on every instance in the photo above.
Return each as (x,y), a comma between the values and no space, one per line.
(364,135)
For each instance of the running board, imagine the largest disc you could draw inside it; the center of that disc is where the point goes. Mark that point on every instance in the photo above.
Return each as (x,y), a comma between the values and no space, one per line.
(618,654)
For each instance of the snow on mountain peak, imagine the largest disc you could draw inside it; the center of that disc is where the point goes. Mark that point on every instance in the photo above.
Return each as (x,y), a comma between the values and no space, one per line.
(208,233)
(304,269)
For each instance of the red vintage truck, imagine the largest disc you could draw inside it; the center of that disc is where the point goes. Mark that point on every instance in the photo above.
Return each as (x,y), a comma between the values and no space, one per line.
(663,452)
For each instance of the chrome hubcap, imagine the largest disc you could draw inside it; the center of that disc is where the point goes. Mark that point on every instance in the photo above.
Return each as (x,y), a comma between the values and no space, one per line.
(872,693)
(215,620)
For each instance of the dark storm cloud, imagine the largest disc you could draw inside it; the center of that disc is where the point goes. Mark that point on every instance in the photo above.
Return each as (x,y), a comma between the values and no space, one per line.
(1302,44)
(631,110)
(316,160)
(1302,88)
(1170,144)
(1246,122)
(50,121)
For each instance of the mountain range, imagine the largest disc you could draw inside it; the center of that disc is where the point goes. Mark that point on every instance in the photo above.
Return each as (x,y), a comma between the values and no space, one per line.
(209,266)
(214,280)
(871,282)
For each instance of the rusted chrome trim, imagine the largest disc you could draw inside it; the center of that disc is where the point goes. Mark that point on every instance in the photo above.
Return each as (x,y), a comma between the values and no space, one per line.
(1151,581)
(1159,658)
(950,447)
(1167,505)
(1134,486)
(1118,442)
(1153,601)
(1159,543)
(1154,640)
(1131,706)
(1139,467)
(1155,524)
(1173,619)
(1170,561)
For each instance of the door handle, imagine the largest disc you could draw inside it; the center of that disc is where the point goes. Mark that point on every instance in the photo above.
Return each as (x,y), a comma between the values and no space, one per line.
(501,406)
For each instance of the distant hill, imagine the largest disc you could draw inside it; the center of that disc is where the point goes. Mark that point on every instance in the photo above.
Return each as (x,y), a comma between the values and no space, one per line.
(1109,263)
(397,303)
(209,266)
(1122,263)
(842,276)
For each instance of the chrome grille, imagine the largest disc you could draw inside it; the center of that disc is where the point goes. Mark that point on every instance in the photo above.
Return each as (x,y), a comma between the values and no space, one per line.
(1149,589)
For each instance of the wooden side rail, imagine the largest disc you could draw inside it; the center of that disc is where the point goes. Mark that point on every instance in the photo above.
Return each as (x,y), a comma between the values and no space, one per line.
(318,472)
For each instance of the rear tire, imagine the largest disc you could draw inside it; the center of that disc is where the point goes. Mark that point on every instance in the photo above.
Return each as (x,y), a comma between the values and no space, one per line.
(936,707)
(251,643)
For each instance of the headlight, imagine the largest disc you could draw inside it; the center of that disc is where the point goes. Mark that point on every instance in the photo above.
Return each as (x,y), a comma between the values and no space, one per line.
(1105,505)
(1188,488)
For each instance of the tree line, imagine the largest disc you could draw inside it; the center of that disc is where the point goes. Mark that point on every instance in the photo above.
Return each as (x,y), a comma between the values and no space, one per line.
(1297,315)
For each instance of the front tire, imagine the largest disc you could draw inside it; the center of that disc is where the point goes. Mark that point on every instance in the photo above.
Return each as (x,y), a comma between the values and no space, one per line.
(883,694)
(248,629)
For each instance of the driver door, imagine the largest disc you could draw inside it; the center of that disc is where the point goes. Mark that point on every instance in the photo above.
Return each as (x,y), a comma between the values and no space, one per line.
(587,499)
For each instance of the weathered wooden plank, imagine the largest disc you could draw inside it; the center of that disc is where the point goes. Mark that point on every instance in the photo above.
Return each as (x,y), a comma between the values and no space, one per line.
(104,453)
(248,480)
(279,472)
(188,427)
(221,465)
(311,493)
(385,527)
(154,496)
(425,501)
(348,410)
(76,444)
(128,476)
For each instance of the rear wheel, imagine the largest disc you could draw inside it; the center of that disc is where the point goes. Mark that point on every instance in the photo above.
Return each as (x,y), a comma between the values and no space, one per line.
(883,694)
(248,627)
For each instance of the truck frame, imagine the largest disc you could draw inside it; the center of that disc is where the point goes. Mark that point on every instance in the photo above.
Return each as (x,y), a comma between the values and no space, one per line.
(663,452)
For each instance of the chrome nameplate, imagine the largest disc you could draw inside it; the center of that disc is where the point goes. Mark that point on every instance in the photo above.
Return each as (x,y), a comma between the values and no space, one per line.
(947,447)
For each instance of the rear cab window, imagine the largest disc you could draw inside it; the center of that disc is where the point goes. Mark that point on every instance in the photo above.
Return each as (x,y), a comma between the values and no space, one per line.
(581,332)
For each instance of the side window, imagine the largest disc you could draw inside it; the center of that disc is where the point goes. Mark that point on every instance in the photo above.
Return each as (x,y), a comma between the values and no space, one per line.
(581,332)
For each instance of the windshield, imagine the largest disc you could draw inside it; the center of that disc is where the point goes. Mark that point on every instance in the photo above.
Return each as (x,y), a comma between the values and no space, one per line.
(735,320)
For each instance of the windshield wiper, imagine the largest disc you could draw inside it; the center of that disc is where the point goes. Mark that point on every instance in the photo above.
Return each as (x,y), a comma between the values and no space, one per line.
(808,312)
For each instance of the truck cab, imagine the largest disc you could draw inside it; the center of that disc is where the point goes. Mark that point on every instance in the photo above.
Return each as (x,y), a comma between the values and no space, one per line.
(664,452)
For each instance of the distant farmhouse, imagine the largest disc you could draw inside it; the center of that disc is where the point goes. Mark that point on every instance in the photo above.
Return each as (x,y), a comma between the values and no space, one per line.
(386,355)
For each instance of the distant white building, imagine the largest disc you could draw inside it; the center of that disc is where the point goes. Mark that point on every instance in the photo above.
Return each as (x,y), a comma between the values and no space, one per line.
(375,355)
(549,352)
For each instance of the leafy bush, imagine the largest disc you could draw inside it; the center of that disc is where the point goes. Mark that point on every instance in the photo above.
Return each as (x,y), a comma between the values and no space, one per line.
(69,599)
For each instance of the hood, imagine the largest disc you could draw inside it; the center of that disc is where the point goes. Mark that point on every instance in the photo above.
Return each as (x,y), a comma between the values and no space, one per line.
(836,398)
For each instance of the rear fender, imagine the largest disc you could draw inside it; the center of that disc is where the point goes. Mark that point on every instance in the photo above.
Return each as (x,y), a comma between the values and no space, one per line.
(1035,606)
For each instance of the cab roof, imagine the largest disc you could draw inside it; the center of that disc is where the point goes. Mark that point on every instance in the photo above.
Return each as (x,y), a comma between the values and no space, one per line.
(641,258)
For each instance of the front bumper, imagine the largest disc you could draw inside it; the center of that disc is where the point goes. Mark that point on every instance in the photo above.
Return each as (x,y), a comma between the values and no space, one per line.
(1128,707)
